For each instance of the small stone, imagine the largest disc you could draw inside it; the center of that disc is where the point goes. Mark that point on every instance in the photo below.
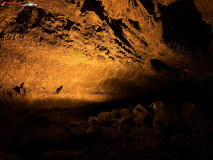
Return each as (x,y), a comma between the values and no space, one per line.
(158,15)
(128,119)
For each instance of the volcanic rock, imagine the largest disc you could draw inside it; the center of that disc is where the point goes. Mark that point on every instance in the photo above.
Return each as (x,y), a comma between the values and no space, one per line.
(111,55)
(160,116)
(140,113)
(124,112)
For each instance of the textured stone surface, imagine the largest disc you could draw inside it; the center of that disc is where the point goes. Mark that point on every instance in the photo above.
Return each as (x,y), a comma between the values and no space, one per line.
(106,79)
(119,137)
(92,48)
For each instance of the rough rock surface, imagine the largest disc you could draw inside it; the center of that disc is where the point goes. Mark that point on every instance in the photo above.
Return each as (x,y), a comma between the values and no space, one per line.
(115,79)
(92,48)
(160,132)
(140,113)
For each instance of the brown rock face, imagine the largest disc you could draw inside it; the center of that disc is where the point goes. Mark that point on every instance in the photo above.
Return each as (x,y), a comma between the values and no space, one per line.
(106,79)
(140,113)
(92,48)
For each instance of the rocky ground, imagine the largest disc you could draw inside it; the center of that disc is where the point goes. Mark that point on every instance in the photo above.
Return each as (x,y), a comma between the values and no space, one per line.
(157,131)
(116,79)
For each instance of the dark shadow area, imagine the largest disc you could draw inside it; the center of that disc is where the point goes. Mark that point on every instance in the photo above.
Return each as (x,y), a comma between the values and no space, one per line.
(183,25)
(181,92)
(47,133)
(35,133)
(130,94)
(70,1)
(135,24)
(149,5)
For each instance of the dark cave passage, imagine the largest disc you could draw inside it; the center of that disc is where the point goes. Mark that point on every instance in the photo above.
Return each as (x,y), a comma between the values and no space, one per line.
(183,25)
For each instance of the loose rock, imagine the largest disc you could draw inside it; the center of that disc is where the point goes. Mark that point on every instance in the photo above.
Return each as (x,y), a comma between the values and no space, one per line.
(140,113)
(124,112)
(160,112)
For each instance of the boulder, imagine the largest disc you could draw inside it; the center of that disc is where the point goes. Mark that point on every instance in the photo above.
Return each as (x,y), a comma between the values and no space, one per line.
(140,113)
(174,112)
(114,113)
(104,116)
(195,118)
(124,112)
(188,111)
(160,114)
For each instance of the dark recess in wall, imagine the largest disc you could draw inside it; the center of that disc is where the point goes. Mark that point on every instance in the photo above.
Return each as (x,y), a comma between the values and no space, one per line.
(135,24)
(71,1)
(148,5)
(116,25)
(183,25)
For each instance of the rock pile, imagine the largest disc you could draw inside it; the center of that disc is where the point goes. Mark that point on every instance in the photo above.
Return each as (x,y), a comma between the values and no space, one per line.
(157,131)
